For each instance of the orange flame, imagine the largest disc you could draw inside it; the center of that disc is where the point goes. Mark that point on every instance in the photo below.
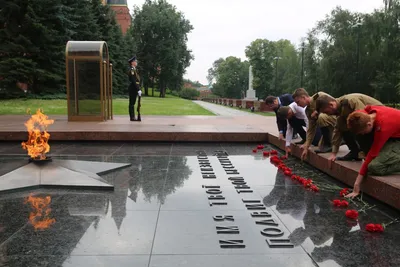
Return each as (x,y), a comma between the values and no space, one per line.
(40,217)
(37,144)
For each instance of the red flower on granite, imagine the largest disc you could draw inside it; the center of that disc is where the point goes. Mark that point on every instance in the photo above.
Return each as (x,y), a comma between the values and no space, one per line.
(254,150)
(336,202)
(274,152)
(314,188)
(288,173)
(377,228)
(340,203)
(260,147)
(352,214)
(344,192)
(265,153)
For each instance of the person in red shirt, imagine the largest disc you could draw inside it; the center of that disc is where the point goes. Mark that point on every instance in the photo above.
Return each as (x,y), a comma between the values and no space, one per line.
(383,157)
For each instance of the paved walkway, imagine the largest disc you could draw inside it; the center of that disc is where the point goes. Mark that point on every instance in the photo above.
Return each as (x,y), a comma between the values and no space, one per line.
(223,111)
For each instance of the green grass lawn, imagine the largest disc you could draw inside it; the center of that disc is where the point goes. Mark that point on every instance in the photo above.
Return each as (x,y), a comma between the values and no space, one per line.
(150,106)
(269,113)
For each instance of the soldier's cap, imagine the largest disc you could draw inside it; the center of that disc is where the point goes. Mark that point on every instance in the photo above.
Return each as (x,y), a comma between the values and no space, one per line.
(283,112)
(132,59)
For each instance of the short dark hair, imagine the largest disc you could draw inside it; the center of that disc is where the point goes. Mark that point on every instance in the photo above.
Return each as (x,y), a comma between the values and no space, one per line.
(323,102)
(270,100)
(300,92)
(283,112)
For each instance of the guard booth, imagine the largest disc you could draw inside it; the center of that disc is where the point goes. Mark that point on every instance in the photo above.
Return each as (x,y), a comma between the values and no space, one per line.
(89,81)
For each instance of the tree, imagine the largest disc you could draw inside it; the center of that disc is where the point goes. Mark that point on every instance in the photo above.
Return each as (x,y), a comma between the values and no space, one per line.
(33,35)
(261,53)
(232,77)
(160,35)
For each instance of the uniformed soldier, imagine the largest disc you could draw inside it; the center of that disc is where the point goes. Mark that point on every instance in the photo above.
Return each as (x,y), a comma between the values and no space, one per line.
(324,121)
(343,107)
(134,87)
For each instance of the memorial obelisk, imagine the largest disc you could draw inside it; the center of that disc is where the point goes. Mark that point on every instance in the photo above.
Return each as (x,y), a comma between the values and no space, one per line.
(251,93)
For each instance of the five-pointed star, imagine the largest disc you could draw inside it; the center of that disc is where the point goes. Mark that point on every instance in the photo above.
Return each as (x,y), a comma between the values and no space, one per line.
(59,173)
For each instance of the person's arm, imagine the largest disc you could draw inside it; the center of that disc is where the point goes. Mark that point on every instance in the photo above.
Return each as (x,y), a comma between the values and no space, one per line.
(380,139)
(289,133)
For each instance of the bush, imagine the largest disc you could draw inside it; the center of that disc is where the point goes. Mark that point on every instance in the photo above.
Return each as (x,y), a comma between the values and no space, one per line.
(175,93)
(189,93)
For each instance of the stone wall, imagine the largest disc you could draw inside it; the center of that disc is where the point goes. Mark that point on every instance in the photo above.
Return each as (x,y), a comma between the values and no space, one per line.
(258,105)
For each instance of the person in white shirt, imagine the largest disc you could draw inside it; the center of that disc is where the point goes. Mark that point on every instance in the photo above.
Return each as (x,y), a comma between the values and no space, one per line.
(296,119)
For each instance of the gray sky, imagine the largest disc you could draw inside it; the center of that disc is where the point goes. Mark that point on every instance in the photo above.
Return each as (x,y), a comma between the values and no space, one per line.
(225,27)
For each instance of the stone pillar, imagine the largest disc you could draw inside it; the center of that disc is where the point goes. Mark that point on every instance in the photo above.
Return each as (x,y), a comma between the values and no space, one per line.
(251,93)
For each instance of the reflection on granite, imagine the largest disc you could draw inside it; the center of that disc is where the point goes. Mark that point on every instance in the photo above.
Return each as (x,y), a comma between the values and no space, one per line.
(159,214)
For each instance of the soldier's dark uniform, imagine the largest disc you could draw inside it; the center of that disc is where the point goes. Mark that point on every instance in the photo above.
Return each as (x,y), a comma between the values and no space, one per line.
(133,89)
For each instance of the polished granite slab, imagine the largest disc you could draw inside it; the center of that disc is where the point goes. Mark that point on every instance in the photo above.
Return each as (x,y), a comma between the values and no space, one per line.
(163,213)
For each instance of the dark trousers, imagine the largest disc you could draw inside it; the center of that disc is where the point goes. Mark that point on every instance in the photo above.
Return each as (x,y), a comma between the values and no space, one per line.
(133,93)
(357,143)
(326,135)
(298,124)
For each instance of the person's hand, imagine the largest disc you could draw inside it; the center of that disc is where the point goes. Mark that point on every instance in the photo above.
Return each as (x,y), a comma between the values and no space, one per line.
(304,154)
(356,189)
(331,159)
(288,151)
(281,137)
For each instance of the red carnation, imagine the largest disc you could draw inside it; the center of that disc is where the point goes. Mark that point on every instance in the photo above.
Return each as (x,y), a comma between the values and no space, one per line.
(340,203)
(370,227)
(293,177)
(352,214)
(288,173)
(260,147)
(307,183)
(336,202)
(274,152)
(254,150)
(344,192)
(314,188)
(265,153)
(379,228)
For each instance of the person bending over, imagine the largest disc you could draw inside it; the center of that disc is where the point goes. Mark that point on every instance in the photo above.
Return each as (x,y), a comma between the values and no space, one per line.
(275,103)
(290,112)
(325,122)
(384,156)
(342,107)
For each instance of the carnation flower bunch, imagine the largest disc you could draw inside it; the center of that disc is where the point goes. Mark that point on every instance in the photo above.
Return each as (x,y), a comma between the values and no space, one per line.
(307,183)
(310,185)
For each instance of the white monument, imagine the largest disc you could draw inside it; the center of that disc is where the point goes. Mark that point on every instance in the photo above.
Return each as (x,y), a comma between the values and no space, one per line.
(251,93)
